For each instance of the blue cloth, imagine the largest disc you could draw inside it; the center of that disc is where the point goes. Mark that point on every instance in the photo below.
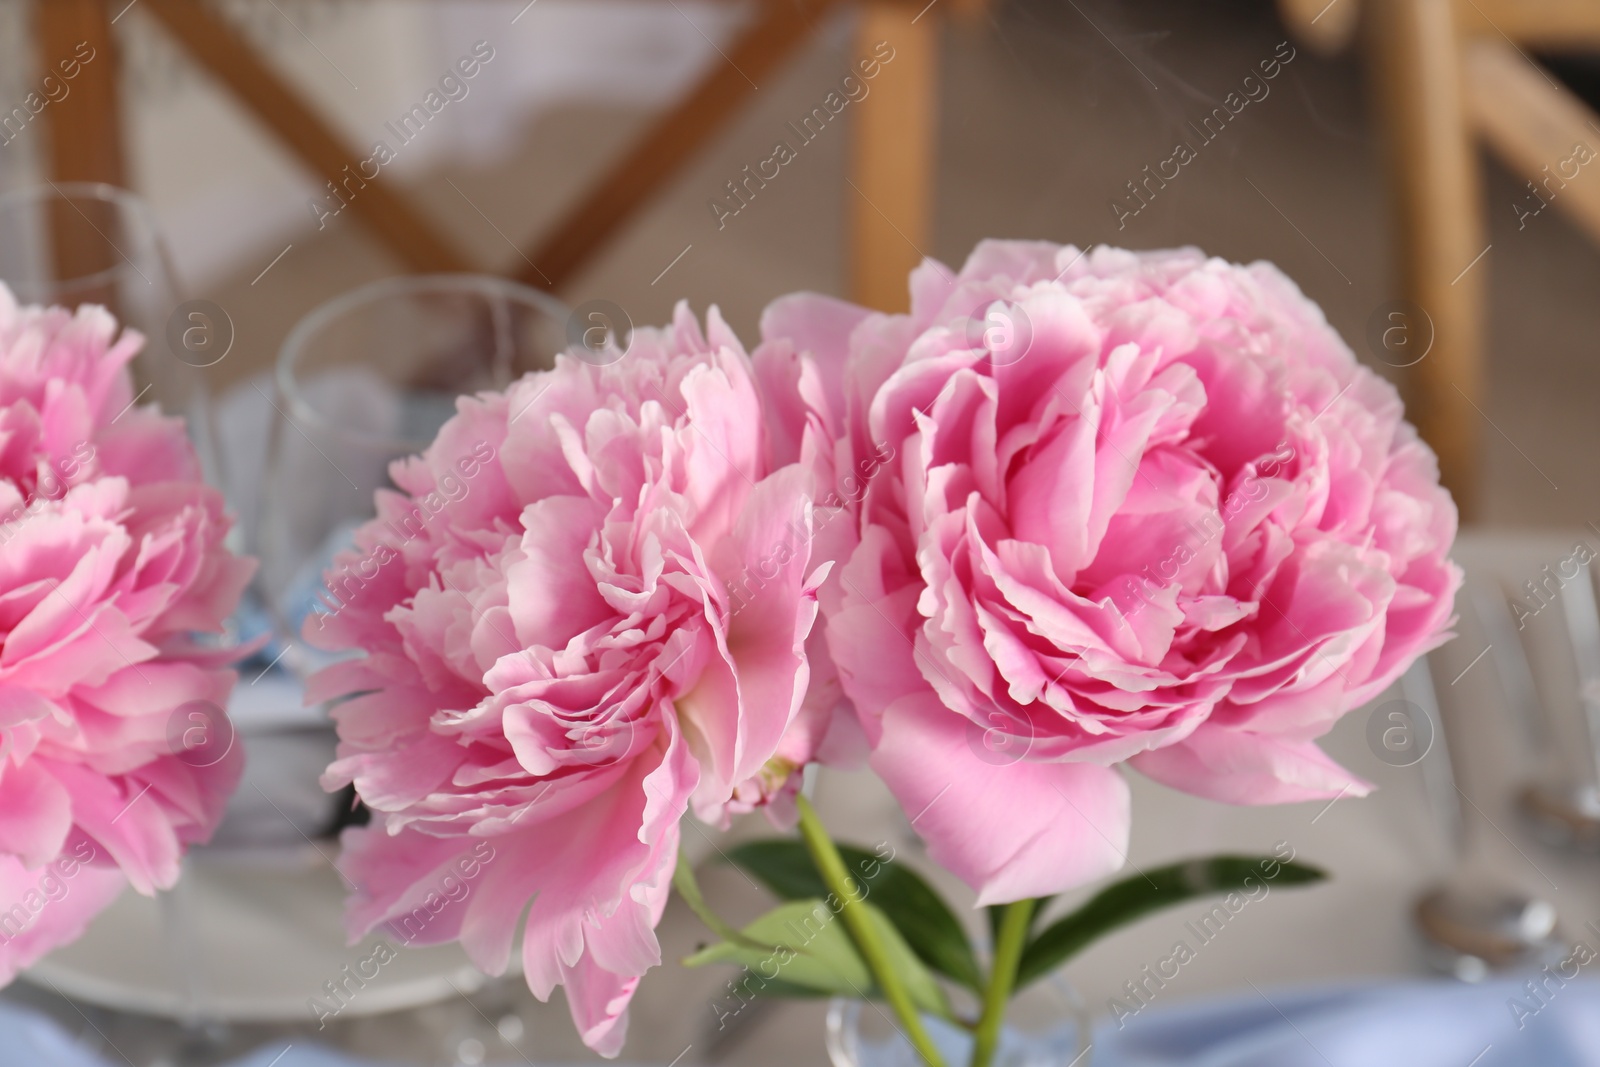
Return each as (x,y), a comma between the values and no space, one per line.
(29,1039)
(1421,1024)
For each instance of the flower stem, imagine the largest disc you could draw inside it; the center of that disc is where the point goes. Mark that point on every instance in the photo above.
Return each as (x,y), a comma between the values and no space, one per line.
(1008,947)
(854,913)
(683,880)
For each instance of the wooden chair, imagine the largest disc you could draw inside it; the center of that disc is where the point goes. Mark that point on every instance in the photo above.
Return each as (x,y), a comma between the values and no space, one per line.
(1446,73)
(892,150)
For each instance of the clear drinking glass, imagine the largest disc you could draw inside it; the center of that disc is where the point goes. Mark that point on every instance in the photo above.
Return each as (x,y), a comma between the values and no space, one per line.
(367,379)
(72,243)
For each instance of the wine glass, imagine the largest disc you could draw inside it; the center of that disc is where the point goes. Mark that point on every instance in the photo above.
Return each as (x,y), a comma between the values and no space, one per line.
(364,380)
(76,243)
(1474,921)
(1562,802)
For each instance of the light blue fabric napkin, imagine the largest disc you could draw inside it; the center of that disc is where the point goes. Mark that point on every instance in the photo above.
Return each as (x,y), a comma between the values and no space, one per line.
(1422,1024)
(1503,1023)
(28,1039)
(282,1054)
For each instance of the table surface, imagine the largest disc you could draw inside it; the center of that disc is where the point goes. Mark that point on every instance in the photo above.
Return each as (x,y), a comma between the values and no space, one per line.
(1382,851)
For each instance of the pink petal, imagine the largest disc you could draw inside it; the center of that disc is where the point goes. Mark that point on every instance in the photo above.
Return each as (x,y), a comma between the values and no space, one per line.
(1010,830)
(1240,767)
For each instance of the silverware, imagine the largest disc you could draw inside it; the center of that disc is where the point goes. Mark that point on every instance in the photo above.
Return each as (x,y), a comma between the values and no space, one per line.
(1472,931)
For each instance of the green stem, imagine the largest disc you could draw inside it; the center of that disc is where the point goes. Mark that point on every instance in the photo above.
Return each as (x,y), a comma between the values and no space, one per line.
(854,913)
(1008,946)
(688,888)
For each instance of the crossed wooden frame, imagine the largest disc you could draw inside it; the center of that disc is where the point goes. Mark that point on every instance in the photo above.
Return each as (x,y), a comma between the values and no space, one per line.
(891,152)
(1446,73)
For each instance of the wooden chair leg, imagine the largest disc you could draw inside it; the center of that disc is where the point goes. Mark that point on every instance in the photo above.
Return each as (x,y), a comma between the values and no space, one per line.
(84,128)
(214,45)
(782,27)
(892,154)
(85,125)
(1416,50)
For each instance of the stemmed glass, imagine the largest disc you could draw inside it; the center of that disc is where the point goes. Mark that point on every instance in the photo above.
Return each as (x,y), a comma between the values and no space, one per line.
(364,380)
(1563,804)
(76,243)
(1473,921)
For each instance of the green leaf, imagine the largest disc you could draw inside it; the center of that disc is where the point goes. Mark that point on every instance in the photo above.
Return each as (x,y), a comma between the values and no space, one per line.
(916,910)
(810,949)
(996,912)
(813,951)
(1133,898)
(777,987)
(919,981)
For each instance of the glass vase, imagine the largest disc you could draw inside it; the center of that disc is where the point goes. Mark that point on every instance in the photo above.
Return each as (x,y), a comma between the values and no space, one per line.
(1047,1026)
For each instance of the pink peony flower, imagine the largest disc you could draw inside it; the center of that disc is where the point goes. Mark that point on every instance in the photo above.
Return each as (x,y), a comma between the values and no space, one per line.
(111,559)
(1141,507)
(585,613)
